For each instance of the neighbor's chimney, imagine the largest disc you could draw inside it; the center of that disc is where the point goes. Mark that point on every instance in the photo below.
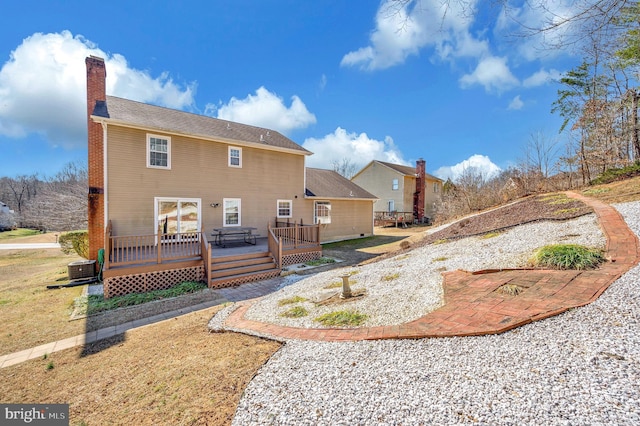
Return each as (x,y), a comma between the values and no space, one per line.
(96,91)
(418,207)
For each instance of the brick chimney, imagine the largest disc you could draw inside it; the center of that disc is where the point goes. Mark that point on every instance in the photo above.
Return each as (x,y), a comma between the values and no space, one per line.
(418,198)
(96,91)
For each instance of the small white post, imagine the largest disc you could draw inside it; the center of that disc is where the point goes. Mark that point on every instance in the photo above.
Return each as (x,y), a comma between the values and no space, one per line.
(346,290)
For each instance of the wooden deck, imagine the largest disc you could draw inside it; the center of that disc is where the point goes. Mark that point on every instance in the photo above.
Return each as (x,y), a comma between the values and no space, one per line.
(144,257)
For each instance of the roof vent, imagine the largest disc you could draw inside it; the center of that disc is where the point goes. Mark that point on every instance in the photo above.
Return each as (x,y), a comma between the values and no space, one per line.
(261,138)
(228,126)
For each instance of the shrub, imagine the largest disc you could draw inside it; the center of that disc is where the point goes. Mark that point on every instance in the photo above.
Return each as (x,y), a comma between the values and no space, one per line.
(97,303)
(613,175)
(342,318)
(295,312)
(321,261)
(567,256)
(290,300)
(75,241)
(391,277)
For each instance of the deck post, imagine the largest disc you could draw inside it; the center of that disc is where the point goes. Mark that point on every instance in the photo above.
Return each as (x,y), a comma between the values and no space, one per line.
(159,248)
(107,246)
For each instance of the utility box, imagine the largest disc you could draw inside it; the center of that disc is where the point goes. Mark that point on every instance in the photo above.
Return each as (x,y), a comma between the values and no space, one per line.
(82,269)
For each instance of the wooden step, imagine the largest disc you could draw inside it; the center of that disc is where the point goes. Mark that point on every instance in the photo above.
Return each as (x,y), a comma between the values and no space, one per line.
(243,268)
(239,270)
(217,266)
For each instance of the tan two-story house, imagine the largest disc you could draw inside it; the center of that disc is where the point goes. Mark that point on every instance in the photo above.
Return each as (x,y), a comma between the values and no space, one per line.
(168,176)
(400,189)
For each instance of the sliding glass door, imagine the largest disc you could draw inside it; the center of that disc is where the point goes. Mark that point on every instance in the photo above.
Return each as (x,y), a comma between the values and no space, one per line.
(175,216)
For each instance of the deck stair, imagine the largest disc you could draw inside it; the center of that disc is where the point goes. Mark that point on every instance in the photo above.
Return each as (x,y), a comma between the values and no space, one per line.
(242,268)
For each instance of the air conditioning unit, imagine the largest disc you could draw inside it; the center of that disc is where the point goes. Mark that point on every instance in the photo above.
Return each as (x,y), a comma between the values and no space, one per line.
(81,269)
(323,220)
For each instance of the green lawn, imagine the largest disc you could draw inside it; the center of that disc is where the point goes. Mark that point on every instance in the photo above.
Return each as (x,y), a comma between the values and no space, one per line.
(17,233)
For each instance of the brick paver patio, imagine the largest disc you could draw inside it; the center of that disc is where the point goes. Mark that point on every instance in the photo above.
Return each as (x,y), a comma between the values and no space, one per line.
(472,304)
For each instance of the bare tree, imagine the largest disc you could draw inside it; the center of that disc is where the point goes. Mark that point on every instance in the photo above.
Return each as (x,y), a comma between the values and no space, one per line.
(345,167)
(57,203)
(62,204)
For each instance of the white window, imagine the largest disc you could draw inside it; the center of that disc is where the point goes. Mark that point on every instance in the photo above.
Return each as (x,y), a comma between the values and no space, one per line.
(322,212)
(235,157)
(232,212)
(158,152)
(436,187)
(285,208)
(394,185)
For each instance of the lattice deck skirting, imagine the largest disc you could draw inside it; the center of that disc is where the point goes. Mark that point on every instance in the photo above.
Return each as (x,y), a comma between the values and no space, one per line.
(292,259)
(235,281)
(158,280)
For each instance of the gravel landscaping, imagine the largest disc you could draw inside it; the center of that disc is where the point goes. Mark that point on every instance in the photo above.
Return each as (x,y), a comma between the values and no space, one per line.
(581,367)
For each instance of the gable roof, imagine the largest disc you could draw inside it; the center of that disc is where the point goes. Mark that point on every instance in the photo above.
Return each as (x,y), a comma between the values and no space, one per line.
(329,184)
(403,170)
(138,114)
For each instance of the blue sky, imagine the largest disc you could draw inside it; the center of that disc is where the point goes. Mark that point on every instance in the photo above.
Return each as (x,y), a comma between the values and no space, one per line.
(345,79)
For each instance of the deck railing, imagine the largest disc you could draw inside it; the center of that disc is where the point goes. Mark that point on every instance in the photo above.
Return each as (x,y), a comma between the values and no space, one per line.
(275,246)
(154,248)
(297,236)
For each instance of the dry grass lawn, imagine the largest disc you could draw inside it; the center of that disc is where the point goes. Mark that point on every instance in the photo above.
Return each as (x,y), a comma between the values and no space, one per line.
(173,372)
(31,314)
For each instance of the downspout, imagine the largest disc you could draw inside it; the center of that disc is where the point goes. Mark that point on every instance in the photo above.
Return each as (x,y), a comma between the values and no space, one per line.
(373,217)
(105,182)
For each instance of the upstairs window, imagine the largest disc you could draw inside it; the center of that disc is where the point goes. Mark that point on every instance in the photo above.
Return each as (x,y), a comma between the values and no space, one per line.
(394,185)
(285,208)
(158,152)
(436,187)
(235,157)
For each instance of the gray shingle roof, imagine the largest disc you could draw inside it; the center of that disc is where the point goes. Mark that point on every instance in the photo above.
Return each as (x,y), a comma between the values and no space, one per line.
(406,170)
(175,121)
(329,184)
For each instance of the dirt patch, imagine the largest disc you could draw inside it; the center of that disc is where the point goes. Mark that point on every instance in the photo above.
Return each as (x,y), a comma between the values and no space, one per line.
(173,372)
(335,299)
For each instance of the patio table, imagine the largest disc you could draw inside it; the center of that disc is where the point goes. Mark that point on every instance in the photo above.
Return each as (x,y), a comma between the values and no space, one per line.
(245,234)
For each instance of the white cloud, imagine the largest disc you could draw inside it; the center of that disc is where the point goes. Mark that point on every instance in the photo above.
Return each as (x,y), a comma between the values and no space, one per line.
(542,77)
(493,73)
(477,162)
(358,148)
(265,109)
(403,29)
(43,87)
(516,103)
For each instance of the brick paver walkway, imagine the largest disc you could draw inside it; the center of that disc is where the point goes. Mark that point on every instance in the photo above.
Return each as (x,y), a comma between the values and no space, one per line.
(472,304)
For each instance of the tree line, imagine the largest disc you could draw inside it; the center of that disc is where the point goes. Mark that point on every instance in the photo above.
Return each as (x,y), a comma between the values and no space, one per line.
(57,203)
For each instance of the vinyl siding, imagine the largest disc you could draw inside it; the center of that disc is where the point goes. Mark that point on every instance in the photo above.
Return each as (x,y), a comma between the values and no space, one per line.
(199,169)
(378,179)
